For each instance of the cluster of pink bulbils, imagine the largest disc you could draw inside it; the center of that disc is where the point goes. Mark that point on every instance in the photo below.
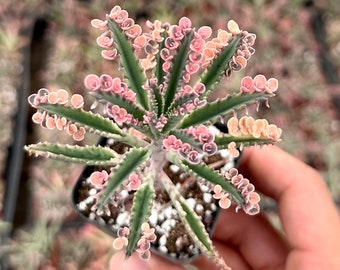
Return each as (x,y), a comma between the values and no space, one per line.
(61,97)
(202,136)
(247,190)
(144,243)
(203,50)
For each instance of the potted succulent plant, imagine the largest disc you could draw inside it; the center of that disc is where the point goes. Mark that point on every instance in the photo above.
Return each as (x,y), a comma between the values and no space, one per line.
(162,170)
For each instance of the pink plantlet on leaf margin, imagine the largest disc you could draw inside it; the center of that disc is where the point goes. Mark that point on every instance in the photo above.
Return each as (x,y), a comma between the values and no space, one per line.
(272,85)
(194,157)
(139,43)
(52,98)
(121,240)
(79,134)
(171,43)
(134,181)
(209,148)
(233,27)
(127,24)
(105,41)
(197,45)
(99,24)
(38,117)
(119,16)
(99,178)
(195,57)
(185,24)
(185,150)
(199,88)
(247,85)
(218,192)
(205,32)
(223,37)
(120,115)
(109,54)
(225,202)
(148,232)
(92,82)
(176,32)
(77,101)
(61,123)
(62,96)
(105,82)
(144,243)
(50,122)
(134,31)
(171,142)
(233,150)
(260,83)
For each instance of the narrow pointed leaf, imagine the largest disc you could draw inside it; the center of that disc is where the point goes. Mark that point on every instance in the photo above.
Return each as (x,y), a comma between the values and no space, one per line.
(182,101)
(159,72)
(130,107)
(223,140)
(193,224)
(177,71)
(89,155)
(88,119)
(140,213)
(210,175)
(158,99)
(196,226)
(133,159)
(172,122)
(134,73)
(219,107)
(219,65)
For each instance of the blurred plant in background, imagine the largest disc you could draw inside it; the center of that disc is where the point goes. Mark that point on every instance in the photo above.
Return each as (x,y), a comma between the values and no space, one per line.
(286,50)
(14,23)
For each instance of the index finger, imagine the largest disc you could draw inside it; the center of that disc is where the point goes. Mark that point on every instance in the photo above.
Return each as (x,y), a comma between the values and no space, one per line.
(308,215)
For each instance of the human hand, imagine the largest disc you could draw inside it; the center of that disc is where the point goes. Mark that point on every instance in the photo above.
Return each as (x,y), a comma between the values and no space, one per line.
(310,222)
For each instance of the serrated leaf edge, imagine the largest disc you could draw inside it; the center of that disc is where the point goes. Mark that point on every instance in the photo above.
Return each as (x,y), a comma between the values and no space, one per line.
(37,150)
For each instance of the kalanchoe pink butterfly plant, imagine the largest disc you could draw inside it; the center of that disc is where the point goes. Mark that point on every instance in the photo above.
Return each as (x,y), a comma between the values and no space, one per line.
(159,110)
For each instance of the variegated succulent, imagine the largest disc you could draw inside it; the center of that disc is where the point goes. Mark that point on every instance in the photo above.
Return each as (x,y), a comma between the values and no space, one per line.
(159,111)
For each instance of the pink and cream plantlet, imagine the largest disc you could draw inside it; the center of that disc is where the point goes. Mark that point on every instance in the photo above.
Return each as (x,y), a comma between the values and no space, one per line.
(159,110)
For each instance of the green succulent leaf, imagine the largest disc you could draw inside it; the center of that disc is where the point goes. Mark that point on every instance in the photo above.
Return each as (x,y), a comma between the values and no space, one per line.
(177,71)
(219,65)
(182,101)
(193,224)
(90,120)
(210,175)
(130,107)
(140,213)
(244,140)
(159,72)
(219,107)
(172,122)
(133,159)
(196,226)
(158,101)
(88,155)
(134,73)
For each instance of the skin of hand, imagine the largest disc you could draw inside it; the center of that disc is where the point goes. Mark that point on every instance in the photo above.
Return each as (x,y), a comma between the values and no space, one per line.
(309,218)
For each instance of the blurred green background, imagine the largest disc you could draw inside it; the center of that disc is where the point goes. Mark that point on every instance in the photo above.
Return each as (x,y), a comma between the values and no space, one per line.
(51,44)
